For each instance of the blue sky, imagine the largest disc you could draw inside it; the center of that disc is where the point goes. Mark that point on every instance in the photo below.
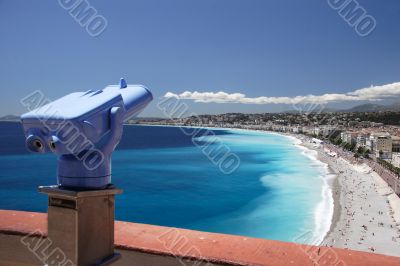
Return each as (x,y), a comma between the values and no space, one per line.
(257,48)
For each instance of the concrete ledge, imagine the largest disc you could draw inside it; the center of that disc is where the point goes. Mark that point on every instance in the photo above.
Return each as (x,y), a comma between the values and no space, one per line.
(156,245)
(23,223)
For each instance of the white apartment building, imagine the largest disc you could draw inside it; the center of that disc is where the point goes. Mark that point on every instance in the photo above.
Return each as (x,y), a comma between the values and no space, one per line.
(328,130)
(349,137)
(370,143)
(361,140)
(296,129)
(307,130)
(396,159)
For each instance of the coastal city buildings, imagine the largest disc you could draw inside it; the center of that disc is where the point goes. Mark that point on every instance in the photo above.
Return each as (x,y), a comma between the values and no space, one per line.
(362,133)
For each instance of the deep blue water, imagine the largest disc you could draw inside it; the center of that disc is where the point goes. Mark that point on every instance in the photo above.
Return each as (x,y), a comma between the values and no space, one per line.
(167,180)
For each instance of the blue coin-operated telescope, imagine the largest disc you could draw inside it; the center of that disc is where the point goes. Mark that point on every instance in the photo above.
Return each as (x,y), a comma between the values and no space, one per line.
(83,129)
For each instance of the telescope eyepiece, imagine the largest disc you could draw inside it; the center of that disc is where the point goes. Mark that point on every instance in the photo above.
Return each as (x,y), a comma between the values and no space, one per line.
(55,145)
(35,144)
(52,145)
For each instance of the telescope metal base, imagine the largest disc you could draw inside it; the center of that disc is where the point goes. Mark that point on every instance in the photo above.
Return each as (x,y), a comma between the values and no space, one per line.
(86,183)
(110,260)
(81,224)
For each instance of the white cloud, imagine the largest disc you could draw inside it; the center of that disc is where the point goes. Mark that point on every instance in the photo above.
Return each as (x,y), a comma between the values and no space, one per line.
(373,93)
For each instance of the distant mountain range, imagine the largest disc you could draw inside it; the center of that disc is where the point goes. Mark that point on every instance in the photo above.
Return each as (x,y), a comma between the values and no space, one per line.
(370,107)
(10,118)
(363,108)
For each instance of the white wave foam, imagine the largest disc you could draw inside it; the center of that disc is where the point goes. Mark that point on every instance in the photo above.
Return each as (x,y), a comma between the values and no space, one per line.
(324,209)
(323,213)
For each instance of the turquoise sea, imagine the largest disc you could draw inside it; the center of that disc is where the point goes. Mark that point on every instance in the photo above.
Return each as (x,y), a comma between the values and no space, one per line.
(279,191)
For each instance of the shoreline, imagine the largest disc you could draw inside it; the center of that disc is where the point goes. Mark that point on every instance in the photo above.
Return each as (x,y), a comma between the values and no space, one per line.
(350,227)
(365,207)
(331,180)
(299,142)
(336,188)
(366,212)
(379,234)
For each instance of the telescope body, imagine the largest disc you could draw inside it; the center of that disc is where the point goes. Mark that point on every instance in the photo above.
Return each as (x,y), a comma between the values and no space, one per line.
(83,129)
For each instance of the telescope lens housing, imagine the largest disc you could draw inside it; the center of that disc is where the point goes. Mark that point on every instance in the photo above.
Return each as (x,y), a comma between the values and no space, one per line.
(83,129)
(34,144)
(52,145)
(38,144)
